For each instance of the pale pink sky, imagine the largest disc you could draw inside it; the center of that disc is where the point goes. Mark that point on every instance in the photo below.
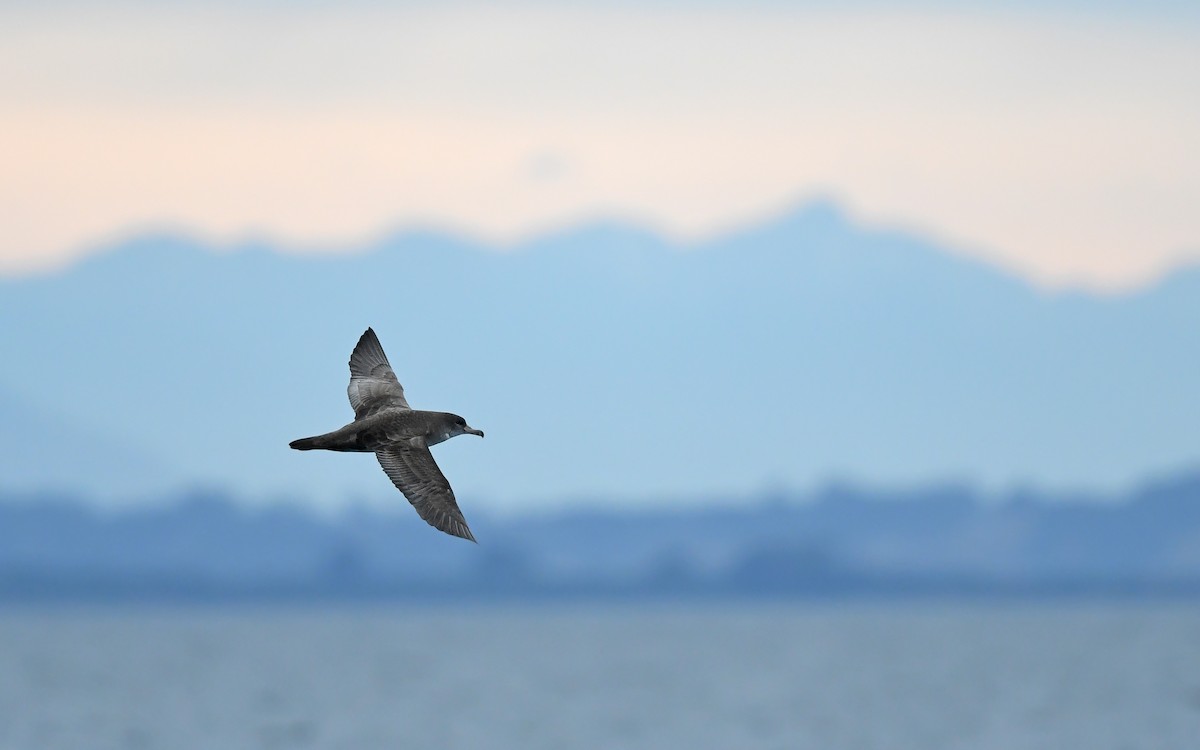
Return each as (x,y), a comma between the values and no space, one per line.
(1064,146)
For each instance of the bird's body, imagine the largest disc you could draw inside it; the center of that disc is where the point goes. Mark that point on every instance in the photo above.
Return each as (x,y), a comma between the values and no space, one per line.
(398,435)
(384,428)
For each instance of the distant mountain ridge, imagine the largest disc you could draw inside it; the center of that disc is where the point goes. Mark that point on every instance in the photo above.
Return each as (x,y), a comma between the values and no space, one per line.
(839,541)
(608,362)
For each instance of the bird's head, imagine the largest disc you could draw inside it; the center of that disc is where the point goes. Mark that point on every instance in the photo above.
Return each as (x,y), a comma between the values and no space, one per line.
(459,426)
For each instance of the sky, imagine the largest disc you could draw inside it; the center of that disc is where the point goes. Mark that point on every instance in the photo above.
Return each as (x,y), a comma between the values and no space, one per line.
(1061,144)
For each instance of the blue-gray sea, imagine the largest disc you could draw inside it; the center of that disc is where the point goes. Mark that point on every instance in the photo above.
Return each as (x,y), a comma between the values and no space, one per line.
(901,677)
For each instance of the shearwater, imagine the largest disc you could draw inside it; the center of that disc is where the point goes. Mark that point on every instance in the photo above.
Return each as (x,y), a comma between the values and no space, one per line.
(398,435)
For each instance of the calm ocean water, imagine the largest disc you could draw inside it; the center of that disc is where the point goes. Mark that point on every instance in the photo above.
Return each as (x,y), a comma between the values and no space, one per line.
(903,677)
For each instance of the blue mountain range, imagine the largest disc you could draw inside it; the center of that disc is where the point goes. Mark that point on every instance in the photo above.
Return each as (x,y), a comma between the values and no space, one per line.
(842,540)
(604,362)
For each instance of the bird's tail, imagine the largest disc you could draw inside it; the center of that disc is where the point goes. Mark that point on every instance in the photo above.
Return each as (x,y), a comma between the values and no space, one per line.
(306,444)
(345,439)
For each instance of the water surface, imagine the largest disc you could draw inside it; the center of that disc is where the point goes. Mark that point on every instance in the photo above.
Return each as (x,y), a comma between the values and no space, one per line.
(901,677)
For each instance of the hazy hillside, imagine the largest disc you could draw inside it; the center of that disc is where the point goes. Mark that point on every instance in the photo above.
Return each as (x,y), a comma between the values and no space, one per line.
(41,451)
(841,540)
(605,362)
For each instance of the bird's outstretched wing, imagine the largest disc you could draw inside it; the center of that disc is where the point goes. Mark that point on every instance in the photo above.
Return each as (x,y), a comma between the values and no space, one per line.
(373,384)
(412,469)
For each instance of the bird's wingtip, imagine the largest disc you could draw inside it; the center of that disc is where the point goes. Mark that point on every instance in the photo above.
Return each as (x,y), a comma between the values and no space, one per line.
(461,530)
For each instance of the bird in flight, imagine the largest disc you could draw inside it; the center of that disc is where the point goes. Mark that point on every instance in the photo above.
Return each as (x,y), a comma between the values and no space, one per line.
(398,435)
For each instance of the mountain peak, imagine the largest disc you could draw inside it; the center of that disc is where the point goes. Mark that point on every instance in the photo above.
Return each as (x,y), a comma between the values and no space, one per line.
(870,354)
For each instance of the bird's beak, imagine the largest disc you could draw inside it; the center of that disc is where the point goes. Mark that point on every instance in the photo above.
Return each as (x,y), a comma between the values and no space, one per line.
(473,431)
